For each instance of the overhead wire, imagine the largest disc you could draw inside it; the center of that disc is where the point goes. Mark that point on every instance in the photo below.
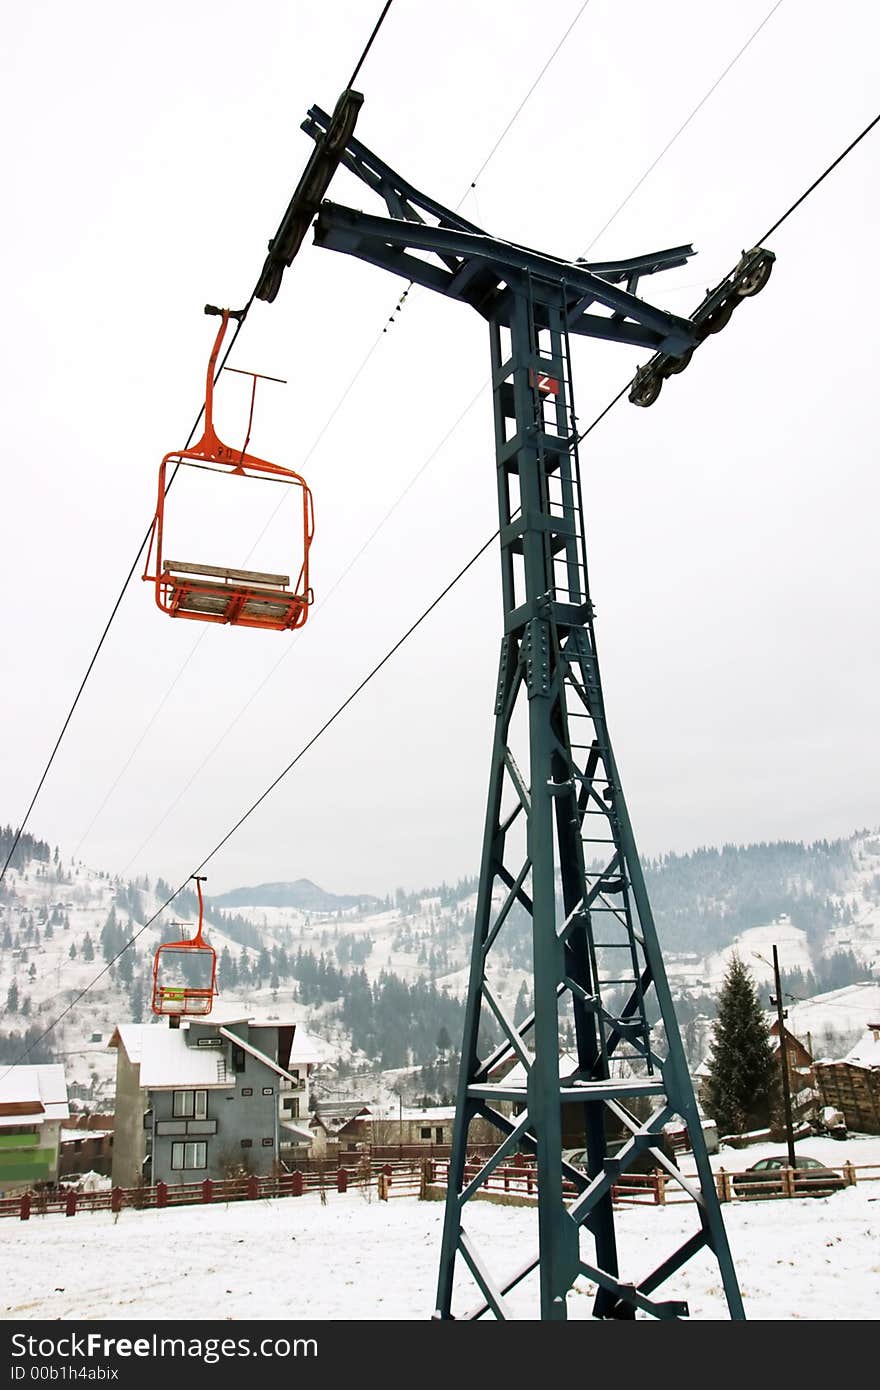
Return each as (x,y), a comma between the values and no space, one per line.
(366,680)
(319,608)
(317,440)
(684,125)
(128,578)
(137,559)
(775,226)
(340,709)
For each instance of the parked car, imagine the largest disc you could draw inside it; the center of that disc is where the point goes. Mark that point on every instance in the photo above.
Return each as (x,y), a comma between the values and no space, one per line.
(644,1162)
(764,1178)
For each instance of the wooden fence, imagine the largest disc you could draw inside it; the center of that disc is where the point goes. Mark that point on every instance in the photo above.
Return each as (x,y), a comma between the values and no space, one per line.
(517,1181)
(388,1179)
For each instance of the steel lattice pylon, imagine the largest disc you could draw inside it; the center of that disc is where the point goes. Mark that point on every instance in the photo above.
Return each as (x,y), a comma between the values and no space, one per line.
(558,847)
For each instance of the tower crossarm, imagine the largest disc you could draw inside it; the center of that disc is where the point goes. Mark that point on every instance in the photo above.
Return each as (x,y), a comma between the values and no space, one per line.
(478,269)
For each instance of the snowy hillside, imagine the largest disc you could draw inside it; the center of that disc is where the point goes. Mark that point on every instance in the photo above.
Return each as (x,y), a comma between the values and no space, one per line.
(380,980)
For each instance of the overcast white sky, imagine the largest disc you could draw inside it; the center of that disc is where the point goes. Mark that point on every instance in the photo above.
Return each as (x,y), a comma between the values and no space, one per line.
(149,154)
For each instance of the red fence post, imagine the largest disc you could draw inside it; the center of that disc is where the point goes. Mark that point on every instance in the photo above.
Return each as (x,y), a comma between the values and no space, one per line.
(116,1199)
(25,1206)
(296,1186)
(70,1203)
(253,1187)
(387,1170)
(342,1181)
(161,1194)
(207,1190)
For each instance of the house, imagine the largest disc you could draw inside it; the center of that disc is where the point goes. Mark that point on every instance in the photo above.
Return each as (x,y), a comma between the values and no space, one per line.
(33,1107)
(339,1124)
(801,1075)
(217,1096)
(86,1146)
(852,1084)
(408,1132)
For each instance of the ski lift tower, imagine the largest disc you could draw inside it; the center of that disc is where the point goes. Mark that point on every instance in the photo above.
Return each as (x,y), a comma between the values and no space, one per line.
(556,807)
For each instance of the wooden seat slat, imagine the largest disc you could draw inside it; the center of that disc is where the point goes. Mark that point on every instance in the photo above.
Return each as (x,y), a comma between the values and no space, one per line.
(278,581)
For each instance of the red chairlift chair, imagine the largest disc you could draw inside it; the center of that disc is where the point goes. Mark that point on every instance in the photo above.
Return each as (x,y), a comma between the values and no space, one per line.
(185,974)
(218,594)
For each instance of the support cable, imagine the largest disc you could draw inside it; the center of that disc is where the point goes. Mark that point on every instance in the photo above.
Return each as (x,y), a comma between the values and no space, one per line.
(388,655)
(135,563)
(683,127)
(137,559)
(263,795)
(328,422)
(389,322)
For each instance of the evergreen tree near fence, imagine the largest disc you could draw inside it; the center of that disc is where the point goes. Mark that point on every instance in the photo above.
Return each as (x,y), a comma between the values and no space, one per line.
(742,1091)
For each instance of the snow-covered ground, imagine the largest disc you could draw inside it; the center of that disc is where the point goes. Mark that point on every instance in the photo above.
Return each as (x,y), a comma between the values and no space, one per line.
(353,1258)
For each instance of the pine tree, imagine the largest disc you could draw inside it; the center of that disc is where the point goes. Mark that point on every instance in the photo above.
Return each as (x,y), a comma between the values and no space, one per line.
(742,1087)
(522,1007)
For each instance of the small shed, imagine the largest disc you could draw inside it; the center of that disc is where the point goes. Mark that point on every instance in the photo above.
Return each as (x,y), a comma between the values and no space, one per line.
(852,1084)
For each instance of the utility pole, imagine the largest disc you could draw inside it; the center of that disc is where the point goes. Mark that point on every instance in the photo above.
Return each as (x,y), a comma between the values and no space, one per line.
(781,1015)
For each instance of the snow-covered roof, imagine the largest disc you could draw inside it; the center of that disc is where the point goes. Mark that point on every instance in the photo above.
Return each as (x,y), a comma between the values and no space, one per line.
(428,1116)
(167,1062)
(255,1052)
(865,1053)
(32,1095)
(306,1049)
(305,1136)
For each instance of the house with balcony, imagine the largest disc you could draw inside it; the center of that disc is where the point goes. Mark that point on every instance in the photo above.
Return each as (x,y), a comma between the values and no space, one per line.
(33,1107)
(220,1095)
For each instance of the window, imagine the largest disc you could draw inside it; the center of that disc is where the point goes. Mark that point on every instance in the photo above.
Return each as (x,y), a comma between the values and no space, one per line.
(438,1134)
(247,1090)
(291,1107)
(268,1090)
(238,1058)
(190,1105)
(425,1133)
(247,1143)
(267,1143)
(184,1156)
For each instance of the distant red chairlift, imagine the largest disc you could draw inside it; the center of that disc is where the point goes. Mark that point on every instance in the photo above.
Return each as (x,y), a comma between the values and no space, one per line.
(185,974)
(218,594)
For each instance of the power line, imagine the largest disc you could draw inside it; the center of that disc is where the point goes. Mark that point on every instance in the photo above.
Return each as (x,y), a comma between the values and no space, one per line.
(386,658)
(820,179)
(369,43)
(319,608)
(519,109)
(144,542)
(683,127)
(320,435)
(340,709)
(135,563)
